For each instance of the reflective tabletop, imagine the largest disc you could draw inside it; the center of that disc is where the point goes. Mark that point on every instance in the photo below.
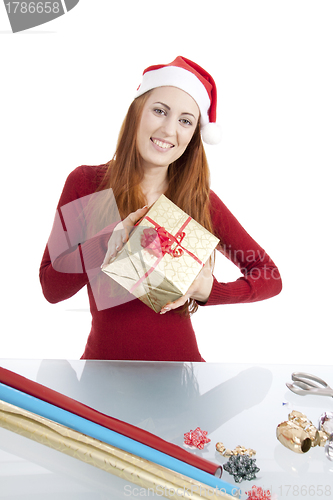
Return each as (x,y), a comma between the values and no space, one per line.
(236,404)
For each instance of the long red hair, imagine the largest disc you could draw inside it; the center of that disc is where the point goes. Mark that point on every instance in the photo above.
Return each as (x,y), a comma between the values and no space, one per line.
(188,176)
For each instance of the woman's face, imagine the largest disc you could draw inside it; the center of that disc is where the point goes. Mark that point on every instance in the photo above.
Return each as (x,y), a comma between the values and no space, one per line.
(169,119)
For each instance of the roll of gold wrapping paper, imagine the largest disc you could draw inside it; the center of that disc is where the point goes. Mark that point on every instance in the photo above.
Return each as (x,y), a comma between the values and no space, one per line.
(129,467)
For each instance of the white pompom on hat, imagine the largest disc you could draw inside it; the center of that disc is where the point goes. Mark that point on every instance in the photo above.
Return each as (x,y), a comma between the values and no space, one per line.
(190,77)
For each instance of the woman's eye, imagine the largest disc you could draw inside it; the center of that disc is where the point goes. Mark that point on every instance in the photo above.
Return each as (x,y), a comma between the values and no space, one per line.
(186,121)
(159,111)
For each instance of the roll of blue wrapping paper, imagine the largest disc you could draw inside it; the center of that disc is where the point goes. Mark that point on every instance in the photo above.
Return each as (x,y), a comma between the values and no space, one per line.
(55,398)
(39,407)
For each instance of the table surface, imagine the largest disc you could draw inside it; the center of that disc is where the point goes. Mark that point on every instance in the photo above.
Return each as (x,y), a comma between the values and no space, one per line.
(236,404)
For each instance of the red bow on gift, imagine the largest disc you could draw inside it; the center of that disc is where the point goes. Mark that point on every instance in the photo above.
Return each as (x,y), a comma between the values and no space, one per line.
(159,242)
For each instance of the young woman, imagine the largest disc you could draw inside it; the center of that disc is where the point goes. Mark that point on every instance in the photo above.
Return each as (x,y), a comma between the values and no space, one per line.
(159,151)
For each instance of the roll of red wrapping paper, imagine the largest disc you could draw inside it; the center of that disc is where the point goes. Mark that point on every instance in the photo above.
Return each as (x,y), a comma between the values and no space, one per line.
(48,395)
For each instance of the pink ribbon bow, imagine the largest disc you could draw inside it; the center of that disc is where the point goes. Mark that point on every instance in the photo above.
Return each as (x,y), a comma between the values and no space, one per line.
(158,241)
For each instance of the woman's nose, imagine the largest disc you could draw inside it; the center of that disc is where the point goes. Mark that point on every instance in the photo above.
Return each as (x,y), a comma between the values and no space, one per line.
(169,126)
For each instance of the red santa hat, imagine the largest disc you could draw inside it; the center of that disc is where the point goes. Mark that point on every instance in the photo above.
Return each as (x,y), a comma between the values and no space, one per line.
(190,77)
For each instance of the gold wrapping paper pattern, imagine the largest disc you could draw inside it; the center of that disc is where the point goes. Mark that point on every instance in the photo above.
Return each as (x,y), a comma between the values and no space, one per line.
(157,281)
(120,463)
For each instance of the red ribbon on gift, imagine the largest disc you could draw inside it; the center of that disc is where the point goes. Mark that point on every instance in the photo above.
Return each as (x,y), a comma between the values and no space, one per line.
(166,240)
(158,241)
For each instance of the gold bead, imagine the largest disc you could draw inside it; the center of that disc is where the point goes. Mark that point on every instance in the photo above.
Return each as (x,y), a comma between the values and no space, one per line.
(220,447)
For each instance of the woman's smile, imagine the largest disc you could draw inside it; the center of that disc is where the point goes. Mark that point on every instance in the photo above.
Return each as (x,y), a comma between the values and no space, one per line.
(160,144)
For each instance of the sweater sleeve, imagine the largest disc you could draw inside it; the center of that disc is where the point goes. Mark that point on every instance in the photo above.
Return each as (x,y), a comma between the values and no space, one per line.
(69,253)
(261,278)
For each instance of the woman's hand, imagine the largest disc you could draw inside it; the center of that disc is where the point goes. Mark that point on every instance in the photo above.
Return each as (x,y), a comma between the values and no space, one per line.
(121,234)
(199,290)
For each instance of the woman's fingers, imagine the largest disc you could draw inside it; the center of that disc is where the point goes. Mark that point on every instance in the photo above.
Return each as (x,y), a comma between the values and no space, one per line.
(121,234)
(134,217)
(174,305)
(115,244)
(199,290)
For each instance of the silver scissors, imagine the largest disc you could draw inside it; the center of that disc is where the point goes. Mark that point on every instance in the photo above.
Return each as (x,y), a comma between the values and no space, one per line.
(305,383)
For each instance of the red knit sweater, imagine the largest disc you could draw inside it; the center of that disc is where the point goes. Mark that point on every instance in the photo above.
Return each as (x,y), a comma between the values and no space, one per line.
(122,326)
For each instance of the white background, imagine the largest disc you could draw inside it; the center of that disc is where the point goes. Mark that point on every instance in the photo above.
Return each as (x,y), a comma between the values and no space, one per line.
(65,88)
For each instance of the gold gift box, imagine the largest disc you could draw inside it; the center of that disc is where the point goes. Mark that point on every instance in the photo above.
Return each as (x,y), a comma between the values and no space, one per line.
(163,256)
